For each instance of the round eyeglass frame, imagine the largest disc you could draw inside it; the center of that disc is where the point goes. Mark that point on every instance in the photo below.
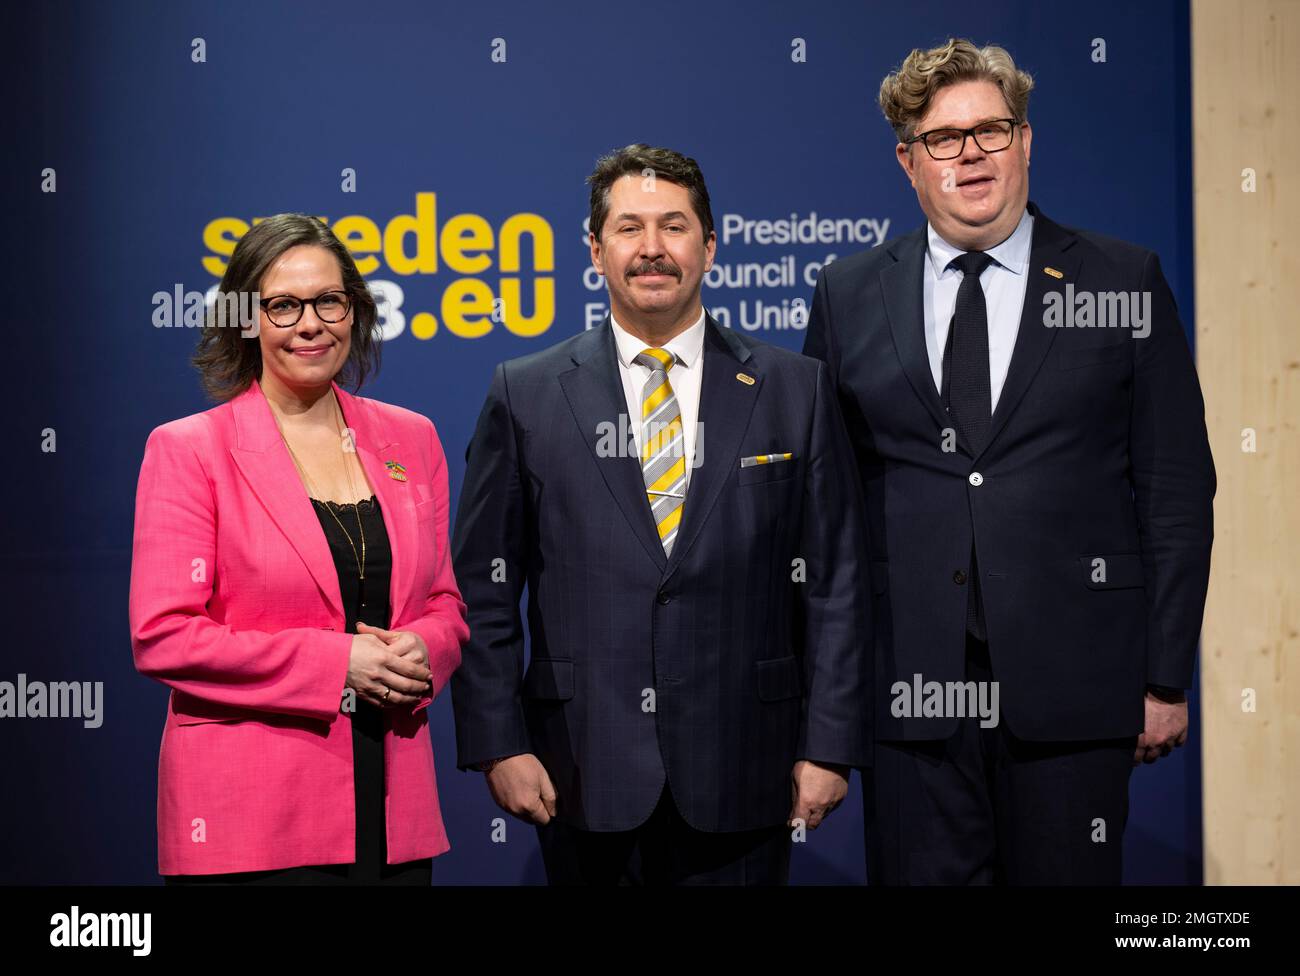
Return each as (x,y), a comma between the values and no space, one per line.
(302,304)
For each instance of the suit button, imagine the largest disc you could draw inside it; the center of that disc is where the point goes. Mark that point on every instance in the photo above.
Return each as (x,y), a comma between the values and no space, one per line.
(976,478)
(959,577)
(664,599)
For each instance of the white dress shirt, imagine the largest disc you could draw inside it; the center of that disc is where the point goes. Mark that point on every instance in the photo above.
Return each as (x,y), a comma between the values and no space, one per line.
(685,378)
(1004,295)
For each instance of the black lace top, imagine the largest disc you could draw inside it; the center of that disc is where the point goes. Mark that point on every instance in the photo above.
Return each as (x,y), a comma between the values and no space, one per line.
(366,600)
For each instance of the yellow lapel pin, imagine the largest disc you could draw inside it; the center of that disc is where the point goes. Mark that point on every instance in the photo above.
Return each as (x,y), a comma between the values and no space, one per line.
(1054,273)
(745,378)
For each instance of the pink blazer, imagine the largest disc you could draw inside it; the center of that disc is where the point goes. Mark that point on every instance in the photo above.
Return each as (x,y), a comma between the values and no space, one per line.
(235,606)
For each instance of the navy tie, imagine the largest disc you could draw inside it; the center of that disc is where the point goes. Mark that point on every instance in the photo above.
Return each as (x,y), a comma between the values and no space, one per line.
(970,398)
(968,390)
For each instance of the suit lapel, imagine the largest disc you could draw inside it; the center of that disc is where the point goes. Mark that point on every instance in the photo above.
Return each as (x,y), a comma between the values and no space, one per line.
(594,391)
(1051,248)
(726,404)
(901,283)
(902,286)
(265,463)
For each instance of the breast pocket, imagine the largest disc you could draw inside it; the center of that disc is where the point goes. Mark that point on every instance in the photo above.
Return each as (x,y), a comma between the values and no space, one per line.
(759,474)
(426,529)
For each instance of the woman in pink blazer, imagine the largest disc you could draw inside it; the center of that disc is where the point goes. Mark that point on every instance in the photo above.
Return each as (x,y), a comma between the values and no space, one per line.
(291,584)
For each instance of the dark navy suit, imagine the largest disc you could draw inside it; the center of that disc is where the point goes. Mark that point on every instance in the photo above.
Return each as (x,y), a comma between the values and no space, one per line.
(1088,508)
(711,670)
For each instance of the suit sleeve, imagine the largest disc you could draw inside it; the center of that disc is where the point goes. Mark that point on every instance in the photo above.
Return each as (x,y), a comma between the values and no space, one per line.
(489,551)
(442,626)
(1173,486)
(836,597)
(819,339)
(296,671)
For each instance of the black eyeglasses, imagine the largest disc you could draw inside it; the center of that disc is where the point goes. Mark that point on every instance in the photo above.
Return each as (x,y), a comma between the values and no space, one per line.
(992,136)
(286,310)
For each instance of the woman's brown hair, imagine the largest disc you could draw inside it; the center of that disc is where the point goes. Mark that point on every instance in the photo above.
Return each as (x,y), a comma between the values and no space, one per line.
(229,358)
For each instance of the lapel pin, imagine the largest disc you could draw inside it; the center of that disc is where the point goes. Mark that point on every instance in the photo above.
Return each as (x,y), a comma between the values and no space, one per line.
(396,471)
(745,378)
(1054,273)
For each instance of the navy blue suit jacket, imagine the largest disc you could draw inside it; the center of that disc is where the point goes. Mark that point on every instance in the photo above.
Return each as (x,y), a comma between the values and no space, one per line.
(715,668)
(1097,451)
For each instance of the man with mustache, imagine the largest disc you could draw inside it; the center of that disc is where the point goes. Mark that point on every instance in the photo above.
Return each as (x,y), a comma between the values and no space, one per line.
(696,608)
(1038,491)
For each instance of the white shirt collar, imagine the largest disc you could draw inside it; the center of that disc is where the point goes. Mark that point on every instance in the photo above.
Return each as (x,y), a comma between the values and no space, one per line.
(687,345)
(1012,254)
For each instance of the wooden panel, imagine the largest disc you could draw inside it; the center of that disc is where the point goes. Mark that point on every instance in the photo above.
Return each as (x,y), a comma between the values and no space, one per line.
(1245,97)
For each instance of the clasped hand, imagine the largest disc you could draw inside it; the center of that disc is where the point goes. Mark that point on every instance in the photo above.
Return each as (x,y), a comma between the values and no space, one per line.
(389,667)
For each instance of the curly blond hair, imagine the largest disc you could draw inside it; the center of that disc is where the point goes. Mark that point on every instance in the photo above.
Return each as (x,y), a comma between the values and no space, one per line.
(906,94)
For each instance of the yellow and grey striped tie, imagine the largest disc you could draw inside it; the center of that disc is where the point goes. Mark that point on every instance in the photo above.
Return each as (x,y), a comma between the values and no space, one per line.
(663,453)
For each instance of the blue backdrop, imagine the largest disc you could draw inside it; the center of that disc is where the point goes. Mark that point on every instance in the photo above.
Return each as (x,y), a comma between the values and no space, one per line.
(164,129)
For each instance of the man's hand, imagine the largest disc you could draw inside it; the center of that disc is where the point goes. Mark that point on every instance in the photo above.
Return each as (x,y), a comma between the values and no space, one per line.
(815,791)
(1165,728)
(521,788)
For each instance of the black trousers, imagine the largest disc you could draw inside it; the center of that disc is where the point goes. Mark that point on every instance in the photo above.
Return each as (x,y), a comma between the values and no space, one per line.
(665,850)
(370,867)
(984,807)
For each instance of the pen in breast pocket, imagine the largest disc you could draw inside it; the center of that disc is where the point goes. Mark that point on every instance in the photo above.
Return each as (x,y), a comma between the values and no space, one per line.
(749,462)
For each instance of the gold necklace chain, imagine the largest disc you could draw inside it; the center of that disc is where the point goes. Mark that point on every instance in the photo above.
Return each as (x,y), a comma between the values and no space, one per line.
(361,559)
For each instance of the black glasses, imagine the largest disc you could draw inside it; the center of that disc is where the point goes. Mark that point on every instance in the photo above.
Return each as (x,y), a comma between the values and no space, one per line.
(992,136)
(286,310)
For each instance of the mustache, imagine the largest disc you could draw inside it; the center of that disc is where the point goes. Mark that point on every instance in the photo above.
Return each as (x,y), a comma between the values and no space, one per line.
(657,266)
